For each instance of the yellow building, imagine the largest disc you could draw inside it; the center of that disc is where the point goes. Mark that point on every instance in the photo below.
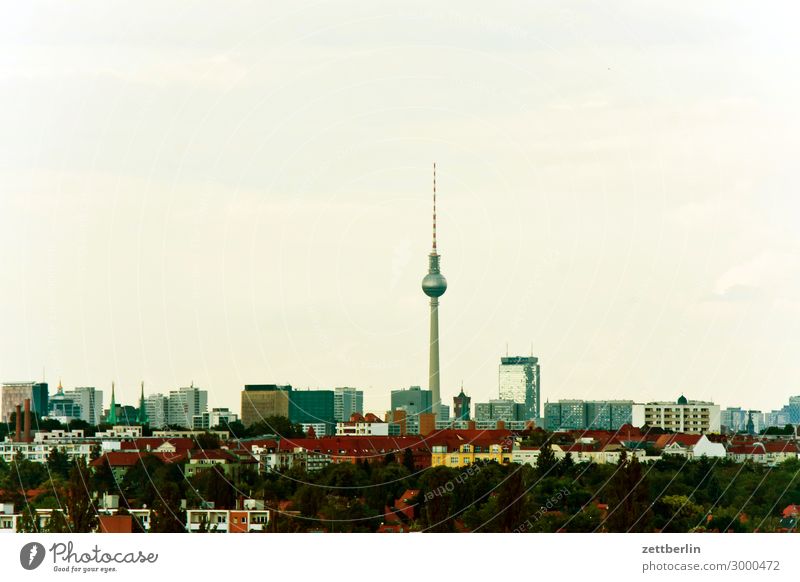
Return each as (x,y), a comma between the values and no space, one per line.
(454,448)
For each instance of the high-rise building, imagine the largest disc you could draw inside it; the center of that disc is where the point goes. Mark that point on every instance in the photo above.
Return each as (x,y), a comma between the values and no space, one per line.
(434,285)
(156,407)
(689,416)
(587,415)
(184,403)
(413,402)
(779,418)
(314,407)
(461,405)
(736,420)
(262,400)
(519,381)
(347,401)
(91,402)
(794,410)
(15,393)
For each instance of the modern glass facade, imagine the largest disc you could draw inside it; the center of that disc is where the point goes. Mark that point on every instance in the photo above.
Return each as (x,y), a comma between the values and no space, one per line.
(347,401)
(313,407)
(519,380)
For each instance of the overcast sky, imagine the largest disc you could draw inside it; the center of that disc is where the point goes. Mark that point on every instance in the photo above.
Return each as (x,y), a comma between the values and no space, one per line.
(226,193)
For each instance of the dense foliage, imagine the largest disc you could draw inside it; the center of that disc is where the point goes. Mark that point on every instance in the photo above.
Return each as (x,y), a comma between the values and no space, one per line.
(671,494)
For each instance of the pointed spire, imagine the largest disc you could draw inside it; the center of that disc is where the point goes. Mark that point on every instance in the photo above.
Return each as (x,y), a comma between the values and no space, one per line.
(60,387)
(112,411)
(434,207)
(142,408)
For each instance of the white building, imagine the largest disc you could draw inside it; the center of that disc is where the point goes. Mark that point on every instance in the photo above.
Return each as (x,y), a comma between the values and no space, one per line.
(519,381)
(156,407)
(184,404)
(90,400)
(361,426)
(684,416)
(216,417)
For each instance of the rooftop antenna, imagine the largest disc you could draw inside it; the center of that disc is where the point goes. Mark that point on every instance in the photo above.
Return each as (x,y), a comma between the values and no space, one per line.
(434,207)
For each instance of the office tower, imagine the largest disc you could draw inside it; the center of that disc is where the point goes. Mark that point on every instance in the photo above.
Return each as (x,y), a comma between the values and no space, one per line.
(346,401)
(90,401)
(260,401)
(519,381)
(184,403)
(62,407)
(313,407)
(156,407)
(17,392)
(794,410)
(461,406)
(413,402)
(434,285)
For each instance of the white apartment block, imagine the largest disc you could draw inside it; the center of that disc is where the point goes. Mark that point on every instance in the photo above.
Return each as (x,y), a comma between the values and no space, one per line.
(686,416)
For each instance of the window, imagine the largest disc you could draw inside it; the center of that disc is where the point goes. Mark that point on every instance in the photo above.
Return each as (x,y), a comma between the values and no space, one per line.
(454,460)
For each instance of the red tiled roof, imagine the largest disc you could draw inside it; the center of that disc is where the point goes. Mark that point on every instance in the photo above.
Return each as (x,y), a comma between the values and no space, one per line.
(151,443)
(130,458)
(687,440)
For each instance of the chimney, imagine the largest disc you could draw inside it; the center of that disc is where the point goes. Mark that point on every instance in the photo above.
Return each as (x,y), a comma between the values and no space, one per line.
(27,428)
(501,425)
(471,425)
(18,436)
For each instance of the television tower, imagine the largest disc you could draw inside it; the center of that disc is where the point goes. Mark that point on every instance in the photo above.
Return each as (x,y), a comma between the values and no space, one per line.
(434,285)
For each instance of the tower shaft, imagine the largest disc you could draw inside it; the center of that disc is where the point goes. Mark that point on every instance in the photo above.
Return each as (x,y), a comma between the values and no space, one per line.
(433,357)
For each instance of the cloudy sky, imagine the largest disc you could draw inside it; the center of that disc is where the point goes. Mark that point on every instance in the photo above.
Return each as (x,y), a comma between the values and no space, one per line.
(230,193)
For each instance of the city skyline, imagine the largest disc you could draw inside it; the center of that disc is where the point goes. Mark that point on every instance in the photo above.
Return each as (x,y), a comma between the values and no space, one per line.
(235,203)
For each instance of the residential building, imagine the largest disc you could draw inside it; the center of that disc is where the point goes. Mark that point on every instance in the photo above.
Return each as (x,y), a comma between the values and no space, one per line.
(461,448)
(519,380)
(686,416)
(15,393)
(359,425)
(216,417)
(260,401)
(184,404)
(346,401)
(587,414)
(226,520)
(505,410)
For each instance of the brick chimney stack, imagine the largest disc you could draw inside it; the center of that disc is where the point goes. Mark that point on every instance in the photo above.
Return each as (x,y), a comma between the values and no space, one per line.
(18,435)
(27,427)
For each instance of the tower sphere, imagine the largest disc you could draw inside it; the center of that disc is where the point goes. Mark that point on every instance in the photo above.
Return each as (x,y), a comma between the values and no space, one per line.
(434,285)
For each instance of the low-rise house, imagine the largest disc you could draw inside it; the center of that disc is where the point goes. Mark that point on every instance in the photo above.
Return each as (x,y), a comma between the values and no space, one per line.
(226,520)
(769,453)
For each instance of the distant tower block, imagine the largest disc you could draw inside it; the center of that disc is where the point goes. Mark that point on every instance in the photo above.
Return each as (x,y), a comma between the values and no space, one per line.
(434,285)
